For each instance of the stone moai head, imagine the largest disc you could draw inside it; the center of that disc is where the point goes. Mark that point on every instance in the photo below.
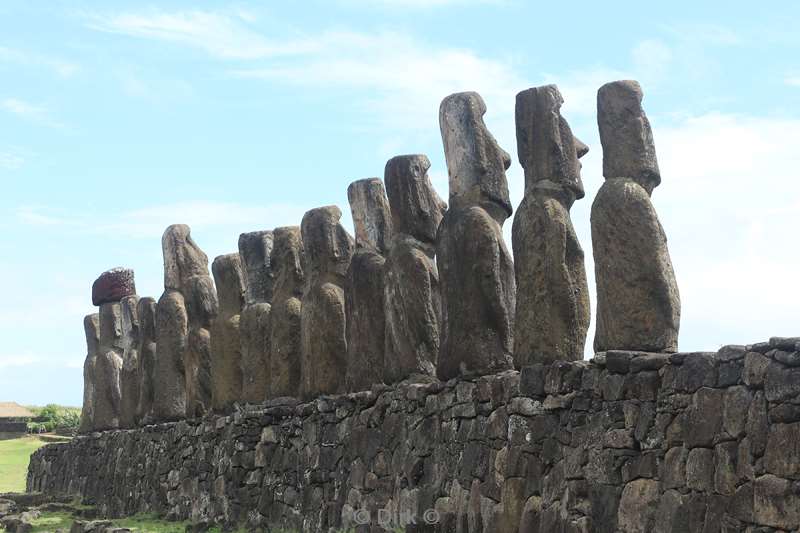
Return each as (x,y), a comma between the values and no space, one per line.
(416,208)
(229,279)
(548,151)
(113,285)
(288,258)
(183,259)
(255,251)
(202,304)
(626,136)
(130,320)
(111,332)
(146,309)
(476,164)
(327,244)
(371,214)
(91,328)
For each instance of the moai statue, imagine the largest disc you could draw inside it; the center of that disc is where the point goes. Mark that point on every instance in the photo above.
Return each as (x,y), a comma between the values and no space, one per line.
(638,305)
(412,303)
(255,250)
(553,312)
(146,347)
(107,291)
(285,361)
(475,268)
(226,351)
(182,329)
(364,285)
(328,249)
(129,377)
(91,327)
(172,336)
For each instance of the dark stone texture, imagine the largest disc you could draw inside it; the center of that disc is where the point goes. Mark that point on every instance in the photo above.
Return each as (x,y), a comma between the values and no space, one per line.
(113,285)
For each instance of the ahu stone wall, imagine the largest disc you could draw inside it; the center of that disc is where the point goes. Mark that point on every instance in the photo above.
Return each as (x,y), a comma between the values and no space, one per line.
(626,442)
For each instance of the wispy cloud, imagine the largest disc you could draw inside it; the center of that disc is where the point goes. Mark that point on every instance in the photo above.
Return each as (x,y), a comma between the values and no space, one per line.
(150,222)
(12,360)
(226,36)
(32,112)
(794,81)
(417,4)
(11,159)
(64,69)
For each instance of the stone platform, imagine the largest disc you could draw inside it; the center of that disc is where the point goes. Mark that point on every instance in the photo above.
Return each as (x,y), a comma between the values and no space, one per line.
(629,442)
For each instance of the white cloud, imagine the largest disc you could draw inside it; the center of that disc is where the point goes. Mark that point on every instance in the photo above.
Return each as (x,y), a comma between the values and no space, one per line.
(150,222)
(221,35)
(415,4)
(63,69)
(11,159)
(794,81)
(12,360)
(35,113)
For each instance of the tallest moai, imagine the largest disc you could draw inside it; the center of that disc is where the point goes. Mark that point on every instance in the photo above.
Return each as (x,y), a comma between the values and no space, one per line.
(638,305)
(475,268)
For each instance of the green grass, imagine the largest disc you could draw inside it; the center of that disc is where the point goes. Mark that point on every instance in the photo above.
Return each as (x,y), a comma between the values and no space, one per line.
(49,522)
(15,455)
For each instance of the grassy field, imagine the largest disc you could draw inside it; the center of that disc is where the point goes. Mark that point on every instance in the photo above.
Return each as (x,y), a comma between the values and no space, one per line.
(14,457)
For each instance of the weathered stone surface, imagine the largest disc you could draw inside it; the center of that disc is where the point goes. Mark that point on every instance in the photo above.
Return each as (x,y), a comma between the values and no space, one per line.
(254,331)
(129,375)
(364,284)
(412,299)
(107,394)
(172,336)
(113,285)
(226,350)
(201,308)
(628,147)
(552,307)
(328,250)
(487,454)
(183,259)
(146,311)
(288,258)
(91,328)
(638,304)
(255,250)
(475,268)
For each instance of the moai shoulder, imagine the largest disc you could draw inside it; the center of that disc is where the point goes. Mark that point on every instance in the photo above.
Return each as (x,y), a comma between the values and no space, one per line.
(552,308)
(364,285)
(638,303)
(411,297)
(475,268)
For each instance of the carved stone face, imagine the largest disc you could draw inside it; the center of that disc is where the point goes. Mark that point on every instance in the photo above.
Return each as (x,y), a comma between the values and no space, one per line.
(327,244)
(182,257)
(288,257)
(626,136)
(229,279)
(255,249)
(547,148)
(476,164)
(416,208)
(371,216)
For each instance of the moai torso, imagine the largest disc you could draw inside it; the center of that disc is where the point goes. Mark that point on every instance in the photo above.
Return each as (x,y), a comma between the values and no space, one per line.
(328,249)
(129,377)
(190,305)
(552,311)
(412,301)
(107,291)
(226,355)
(146,311)
(364,286)
(108,366)
(91,328)
(255,252)
(476,271)
(288,258)
(638,303)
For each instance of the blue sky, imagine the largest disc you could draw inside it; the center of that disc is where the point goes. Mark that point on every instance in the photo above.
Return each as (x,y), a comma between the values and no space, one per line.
(119,119)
